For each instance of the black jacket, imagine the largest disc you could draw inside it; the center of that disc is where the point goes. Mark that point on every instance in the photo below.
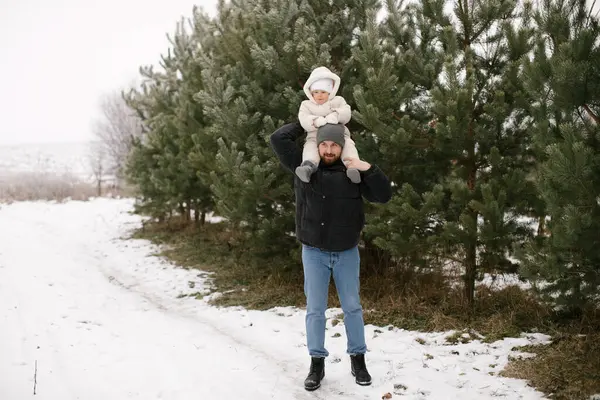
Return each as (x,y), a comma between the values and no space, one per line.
(329,209)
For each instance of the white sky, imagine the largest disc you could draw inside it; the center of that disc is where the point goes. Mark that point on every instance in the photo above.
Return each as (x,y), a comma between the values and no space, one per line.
(59,57)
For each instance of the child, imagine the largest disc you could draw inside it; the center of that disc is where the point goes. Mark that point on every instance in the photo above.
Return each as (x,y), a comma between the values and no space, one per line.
(323,107)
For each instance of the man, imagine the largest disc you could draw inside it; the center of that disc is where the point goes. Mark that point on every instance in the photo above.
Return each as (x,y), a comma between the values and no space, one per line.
(329,220)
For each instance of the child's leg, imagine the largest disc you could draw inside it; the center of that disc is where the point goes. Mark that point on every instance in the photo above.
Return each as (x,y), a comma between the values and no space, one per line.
(350,151)
(310,151)
(310,158)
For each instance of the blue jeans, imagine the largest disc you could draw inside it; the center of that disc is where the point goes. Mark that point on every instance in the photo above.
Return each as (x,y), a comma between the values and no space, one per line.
(318,267)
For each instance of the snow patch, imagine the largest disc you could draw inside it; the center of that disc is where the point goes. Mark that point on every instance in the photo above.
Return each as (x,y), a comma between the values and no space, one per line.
(91,307)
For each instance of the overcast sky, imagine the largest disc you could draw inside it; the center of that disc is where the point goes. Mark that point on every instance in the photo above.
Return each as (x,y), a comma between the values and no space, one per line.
(60,56)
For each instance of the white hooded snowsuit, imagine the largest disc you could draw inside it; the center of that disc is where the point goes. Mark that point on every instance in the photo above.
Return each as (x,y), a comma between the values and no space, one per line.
(310,111)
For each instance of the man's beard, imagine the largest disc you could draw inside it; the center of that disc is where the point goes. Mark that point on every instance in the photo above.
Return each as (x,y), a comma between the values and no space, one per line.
(329,158)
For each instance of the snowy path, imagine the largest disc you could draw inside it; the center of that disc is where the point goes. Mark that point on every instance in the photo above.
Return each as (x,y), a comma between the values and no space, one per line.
(93,339)
(103,320)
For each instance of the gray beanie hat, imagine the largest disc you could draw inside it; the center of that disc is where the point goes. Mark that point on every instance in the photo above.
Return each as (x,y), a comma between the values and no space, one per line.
(333,132)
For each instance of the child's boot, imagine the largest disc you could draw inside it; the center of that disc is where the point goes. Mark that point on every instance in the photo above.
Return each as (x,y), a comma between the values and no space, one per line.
(305,170)
(353,174)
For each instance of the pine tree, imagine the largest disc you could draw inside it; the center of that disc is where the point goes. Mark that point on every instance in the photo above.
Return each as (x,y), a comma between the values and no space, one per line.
(190,122)
(462,183)
(264,50)
(564,76)
(396,71)
(147,167)
(151,199)
(161,164)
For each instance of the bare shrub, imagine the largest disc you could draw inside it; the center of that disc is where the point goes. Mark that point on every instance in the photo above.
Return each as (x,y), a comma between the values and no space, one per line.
(114,132)
(28,186)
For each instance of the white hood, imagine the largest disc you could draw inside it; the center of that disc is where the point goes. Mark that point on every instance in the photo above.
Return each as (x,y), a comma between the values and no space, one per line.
(322,73)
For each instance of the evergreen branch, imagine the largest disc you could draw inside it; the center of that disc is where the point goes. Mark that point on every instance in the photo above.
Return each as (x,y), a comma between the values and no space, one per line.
(483,28)
(589,17)
(266,196)
(591,114)
(452,258)
(478,109)
(582,118)
(427,143)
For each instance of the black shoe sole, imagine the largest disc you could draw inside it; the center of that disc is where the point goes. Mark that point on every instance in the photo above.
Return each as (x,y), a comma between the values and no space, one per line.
(361,383)
(310,389)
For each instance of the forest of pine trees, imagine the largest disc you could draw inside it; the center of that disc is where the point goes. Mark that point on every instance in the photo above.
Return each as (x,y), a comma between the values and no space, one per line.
(483,113)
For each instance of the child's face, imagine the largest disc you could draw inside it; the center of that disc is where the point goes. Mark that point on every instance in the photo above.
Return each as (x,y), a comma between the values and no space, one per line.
(320,96)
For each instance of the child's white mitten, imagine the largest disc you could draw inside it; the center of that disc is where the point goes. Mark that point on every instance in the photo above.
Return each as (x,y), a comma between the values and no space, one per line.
(332,118)
(319,122)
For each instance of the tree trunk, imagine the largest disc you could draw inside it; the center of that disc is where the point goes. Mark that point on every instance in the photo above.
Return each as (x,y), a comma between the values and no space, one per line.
(203,218)
(541,230)
(196,213)
(376,259)
(471,163)
(470,273)
(188,210)
(593,116)
(471,245)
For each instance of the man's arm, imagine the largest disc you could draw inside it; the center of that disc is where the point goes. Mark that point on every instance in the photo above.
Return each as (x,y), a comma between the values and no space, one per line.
(374,185)
(283,142)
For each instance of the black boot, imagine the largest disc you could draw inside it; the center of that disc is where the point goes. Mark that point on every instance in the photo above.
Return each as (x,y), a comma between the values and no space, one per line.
(359,369)
(316,373)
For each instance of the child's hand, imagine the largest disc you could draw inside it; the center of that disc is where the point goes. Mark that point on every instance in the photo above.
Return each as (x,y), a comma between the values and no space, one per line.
(332,118)
(319,122)
(356,163)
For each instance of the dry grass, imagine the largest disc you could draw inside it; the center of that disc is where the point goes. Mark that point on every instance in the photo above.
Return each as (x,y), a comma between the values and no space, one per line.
(428,303)
(32,186)
(39,186)
(248,282)
(567,369)
(398,297)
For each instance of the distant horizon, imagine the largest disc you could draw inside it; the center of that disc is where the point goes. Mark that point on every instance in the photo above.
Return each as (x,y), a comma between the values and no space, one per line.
(47,142)
(74,157)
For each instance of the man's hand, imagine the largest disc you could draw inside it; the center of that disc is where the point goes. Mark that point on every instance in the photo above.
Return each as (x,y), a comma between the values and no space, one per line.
(356,163)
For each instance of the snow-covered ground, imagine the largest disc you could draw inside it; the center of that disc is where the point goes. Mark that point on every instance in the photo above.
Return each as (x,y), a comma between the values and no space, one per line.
(87,314)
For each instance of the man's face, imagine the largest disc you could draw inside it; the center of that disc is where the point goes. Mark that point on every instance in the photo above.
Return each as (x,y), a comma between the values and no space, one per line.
(329,151)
